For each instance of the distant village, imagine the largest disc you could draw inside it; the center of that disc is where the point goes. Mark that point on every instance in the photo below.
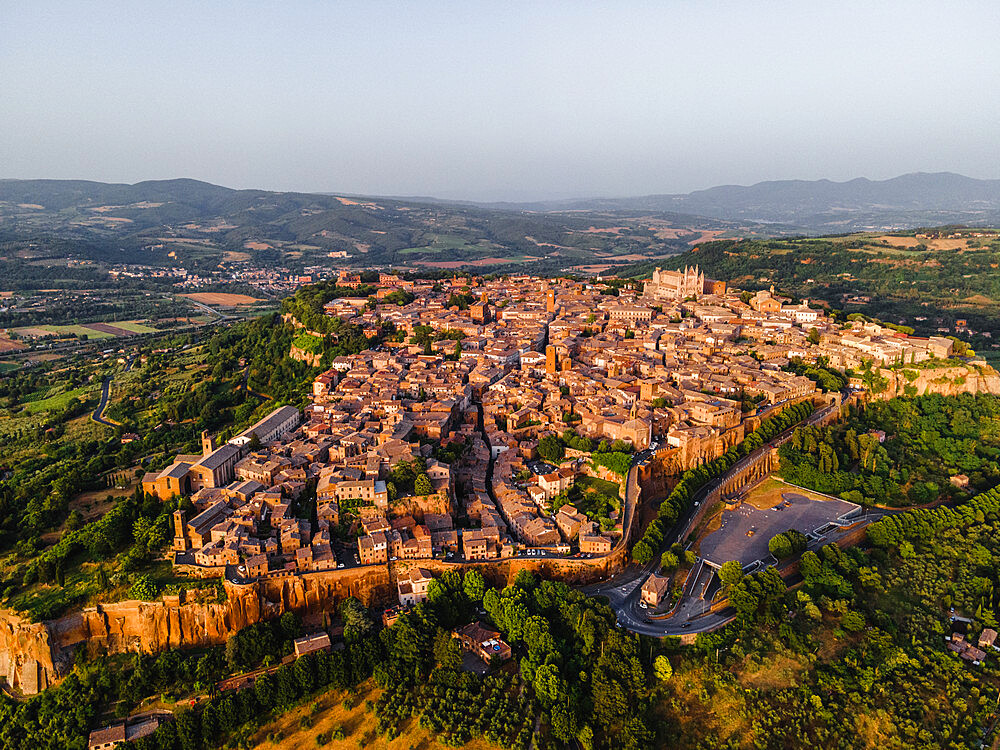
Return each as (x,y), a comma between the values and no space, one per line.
(431,450)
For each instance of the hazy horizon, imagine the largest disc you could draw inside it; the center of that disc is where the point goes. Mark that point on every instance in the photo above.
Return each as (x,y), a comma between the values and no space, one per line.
(475,101)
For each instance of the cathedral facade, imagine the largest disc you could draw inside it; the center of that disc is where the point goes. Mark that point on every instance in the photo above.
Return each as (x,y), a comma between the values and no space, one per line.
(675,285)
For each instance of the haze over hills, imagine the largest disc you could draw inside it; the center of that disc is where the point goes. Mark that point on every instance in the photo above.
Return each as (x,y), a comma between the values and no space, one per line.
(822,206)
(190,221)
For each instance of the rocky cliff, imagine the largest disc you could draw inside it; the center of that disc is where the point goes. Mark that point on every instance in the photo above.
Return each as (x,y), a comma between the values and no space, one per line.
(312,359)
(947,381)
(27,658)
(34,656)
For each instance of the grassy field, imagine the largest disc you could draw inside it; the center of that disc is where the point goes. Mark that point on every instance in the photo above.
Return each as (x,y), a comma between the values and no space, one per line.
(223,299)
(593,484)
(135,327)
(450,243)
(79,331)
(297,729)
(61,399)
(8,366)
(39,331)
(131,326)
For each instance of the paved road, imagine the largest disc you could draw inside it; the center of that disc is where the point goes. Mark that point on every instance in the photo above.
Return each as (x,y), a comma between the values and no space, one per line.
(691,615)
(98,415)
(206,308)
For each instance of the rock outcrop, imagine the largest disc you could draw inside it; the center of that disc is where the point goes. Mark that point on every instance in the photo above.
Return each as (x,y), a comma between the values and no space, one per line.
(27,658)
(34,656)
(312,359)
(946,381)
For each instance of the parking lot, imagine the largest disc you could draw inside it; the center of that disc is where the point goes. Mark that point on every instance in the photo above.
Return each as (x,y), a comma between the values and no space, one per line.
(745,531)
(540,467)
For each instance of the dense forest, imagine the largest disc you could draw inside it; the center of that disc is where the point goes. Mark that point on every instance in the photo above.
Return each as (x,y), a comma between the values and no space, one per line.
(576,677)
(855,657)
(903,451)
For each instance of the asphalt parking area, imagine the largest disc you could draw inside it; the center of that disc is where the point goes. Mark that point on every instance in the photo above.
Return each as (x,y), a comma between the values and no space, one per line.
(745,531)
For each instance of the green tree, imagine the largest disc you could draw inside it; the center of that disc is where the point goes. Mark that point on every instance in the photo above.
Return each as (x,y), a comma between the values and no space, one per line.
(422,485)
(642,552)
(447,652)
(551,449)
(853,621)
(662,668)
(669,561)
(474,585)
(143,588)
(780,546)
(730,572)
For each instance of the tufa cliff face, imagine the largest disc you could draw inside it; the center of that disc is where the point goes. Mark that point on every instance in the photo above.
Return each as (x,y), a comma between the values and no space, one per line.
(946,381)
(34,656)
(26,654)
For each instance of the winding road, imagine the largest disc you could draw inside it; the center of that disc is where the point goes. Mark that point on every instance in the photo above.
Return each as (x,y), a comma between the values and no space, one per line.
(693,611)
(98,415)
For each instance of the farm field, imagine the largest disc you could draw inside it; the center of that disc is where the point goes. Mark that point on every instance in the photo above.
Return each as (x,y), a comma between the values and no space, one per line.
(288,732)
(222,298)
(60,400)
(135,326)
(9,345)
(69,330)
(90,330)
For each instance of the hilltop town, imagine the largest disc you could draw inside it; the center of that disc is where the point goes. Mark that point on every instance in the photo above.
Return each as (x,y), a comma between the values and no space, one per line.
(502,418)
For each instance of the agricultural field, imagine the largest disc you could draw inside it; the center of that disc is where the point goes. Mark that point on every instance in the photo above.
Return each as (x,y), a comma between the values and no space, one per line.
(9,345)
(222,298)
(88,330)
(346,712)
(58,398)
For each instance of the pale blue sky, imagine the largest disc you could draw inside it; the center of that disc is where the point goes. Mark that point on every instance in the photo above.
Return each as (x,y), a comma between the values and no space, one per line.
(498,100)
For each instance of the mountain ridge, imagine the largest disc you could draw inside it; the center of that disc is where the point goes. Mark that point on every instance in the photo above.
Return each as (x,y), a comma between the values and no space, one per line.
(780,207)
